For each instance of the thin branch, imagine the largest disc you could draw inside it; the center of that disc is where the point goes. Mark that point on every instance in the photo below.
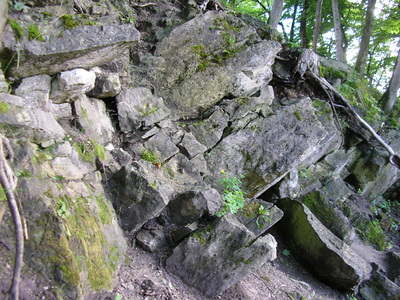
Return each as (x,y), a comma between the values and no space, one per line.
(8,181)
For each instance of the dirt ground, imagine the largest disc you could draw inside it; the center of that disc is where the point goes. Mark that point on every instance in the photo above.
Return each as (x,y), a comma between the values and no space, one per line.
(144,277)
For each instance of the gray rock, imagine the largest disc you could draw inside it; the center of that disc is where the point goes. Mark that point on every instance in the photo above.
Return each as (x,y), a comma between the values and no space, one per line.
(161,146)
(151,240)
(83,47)
(138,195)
(35,91)
(210,130)
(4,87)
(61,111)
(70,85)
(258,216)
(214,258)
(64,167)
(329,257)
(267,148)
(192,146)
(192,72)
(94,120)
(190,206)
(106,85)
(38,124)
(379,287)
(138,107)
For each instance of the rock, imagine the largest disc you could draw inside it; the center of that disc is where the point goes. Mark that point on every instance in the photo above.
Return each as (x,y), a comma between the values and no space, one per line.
(161,146)
(379,287)
(209,131)
(83,47)
(61,111)
(4,87)
(328,257)
(94,120)
(268,147)
(35,92)
(192,146)
(214,258)
(138,107)
(138,196)
(72,84)
(194,72)
(258,216)
(151,240)
(190,206)
(3,22)
(107,85)
(38,124)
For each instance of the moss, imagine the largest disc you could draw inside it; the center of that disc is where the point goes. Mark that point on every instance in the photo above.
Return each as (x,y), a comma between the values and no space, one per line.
(250,210)
(149,156)
(88,151)
(4,107)
(69,22)
(373,233)
(104,211)
(17,29)
(34,33)
(148,110)
(298,115)
(223,24)
(98,150)
(324,212)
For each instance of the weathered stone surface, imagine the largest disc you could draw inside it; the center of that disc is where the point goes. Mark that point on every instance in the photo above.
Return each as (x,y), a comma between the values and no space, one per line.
(190,206)
(37,123)
(214,258)
(106,85)
(4,87)
(72,84)
(63,166)
(162,146)
(210,131)
(94,120)
(258,216)
(35,92)
(379,287)
(138,107)
(269,147)
(60,111)
(330,258)
(138,196)
(192,72)
(192,146)
(151,240)
(84,47)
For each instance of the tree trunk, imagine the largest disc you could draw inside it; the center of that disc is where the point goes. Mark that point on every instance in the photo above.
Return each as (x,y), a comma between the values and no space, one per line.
(366,36)
(276,12)
(389,97)
(303,25)
(317,28)
(296,5)
(338,31)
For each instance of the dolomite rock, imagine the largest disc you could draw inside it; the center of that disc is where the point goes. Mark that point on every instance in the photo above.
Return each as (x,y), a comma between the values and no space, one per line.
(35,92)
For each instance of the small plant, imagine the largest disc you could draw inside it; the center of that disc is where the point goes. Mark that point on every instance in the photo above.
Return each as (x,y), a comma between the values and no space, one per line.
(23,173)
(148,110)
(34,33)
(69,22)
(149,156)
(127,19)
(17,29)
(263,213)
(18,6)
(304,173)
(62,210)
(4,107)
(286,252)
(233,195)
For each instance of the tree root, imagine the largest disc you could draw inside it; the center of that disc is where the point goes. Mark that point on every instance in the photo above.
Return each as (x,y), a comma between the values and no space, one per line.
(8,181)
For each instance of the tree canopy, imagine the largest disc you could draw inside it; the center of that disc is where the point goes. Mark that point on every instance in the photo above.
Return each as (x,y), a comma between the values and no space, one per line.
(298,20)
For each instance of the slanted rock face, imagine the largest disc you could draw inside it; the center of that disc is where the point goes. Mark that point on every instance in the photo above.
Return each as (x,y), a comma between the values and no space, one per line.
(85,46)
(265,148)
(330,258)
(195,68)
(214,258)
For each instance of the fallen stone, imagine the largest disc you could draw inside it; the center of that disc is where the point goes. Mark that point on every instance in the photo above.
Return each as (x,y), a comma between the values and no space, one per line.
(35,92)
(214,258)
(329,258)
(71,85)
(106,85)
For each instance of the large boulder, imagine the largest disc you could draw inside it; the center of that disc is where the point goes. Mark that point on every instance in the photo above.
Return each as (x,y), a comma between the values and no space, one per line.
(329,258)
(192,72)
(84,47)
(214,258)
(266,145)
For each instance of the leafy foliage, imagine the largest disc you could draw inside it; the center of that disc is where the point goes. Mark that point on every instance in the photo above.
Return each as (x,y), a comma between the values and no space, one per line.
(233,195)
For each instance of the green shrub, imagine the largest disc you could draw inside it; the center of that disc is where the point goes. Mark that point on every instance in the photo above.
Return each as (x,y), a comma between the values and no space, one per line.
(233,195)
